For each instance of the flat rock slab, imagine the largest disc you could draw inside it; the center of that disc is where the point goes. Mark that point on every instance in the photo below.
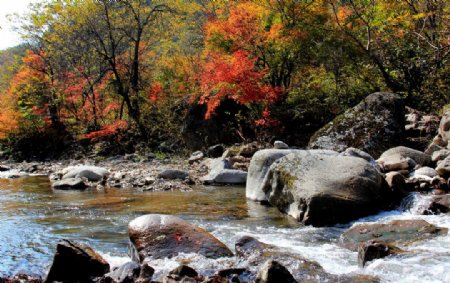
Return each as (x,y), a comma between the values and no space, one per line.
(69,184)
(161,236)
(397,232)
(92,173)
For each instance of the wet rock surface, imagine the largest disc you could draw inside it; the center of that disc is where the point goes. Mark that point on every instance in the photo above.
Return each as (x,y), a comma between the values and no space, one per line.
(374,249)
(74,262)
(160,236)
(351,188)
(398,232)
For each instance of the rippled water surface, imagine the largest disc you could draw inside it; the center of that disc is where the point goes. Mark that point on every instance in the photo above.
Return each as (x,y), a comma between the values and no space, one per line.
(33,218)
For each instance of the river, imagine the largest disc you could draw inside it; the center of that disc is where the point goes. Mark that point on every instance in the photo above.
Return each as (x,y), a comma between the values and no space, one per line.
(33,217)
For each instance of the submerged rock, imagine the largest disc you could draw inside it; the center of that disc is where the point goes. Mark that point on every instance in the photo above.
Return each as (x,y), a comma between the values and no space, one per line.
(160,236)
(374,125)
(397,232)
(74,262)
(320,189)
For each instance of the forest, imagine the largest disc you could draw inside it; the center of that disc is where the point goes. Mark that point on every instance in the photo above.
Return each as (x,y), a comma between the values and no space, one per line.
(171,74)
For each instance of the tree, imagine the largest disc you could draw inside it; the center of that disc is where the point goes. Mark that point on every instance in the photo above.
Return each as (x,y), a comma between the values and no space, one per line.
(406,40)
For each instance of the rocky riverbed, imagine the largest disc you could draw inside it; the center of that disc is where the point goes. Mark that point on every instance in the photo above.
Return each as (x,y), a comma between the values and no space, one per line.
(333,184)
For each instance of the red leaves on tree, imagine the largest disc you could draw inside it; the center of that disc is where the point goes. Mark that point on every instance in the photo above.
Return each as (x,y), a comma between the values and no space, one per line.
(155,91)
(234,77)
(107,130)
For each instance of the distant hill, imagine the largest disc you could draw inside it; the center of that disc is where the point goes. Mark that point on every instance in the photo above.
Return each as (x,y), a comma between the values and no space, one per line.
(10,60)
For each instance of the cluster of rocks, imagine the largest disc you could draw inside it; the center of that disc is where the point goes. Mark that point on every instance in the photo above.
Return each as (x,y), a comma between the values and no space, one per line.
(160,236)
(156,236)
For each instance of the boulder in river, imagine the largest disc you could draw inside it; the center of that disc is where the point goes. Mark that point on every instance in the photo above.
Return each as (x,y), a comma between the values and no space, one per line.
(92,173)
(74,262)
(254,254)
(259,167)
(438,204)
(322,189)
(397,232)
(160,236)
(374,125)
(69,184)
(374,249)
(274,272)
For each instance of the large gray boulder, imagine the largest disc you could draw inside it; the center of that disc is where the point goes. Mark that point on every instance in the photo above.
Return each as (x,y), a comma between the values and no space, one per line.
(92,173)
(374,125)
(320,189)
(259,167)
(160,236)
(257,171)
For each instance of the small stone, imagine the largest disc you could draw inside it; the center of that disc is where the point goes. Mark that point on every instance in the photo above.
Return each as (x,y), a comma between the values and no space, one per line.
(425,171)
(280,145)
(196,157)
(173,174)
(184,270)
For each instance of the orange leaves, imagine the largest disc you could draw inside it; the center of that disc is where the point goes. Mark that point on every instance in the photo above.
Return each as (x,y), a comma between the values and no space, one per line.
(9,115)
(243,28)
(234,77)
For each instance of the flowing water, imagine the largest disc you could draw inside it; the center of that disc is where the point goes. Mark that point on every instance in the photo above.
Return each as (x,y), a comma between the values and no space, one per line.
(33,218)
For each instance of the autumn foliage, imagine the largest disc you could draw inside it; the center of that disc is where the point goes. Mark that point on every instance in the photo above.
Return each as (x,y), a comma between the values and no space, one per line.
(98,68)
(234,77)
